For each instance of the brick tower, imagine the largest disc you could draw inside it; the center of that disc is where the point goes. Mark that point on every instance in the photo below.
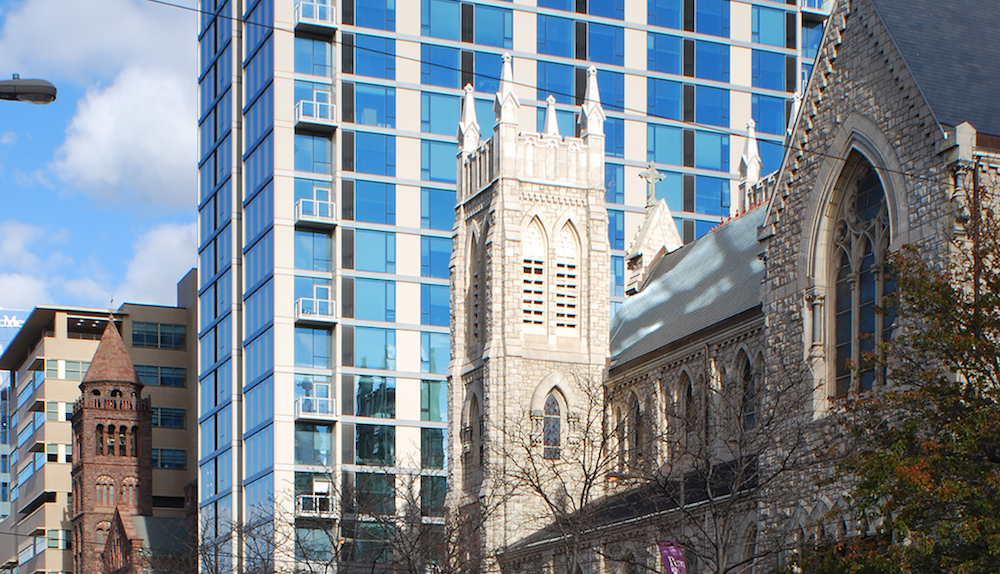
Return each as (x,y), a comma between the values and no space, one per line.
(112,466)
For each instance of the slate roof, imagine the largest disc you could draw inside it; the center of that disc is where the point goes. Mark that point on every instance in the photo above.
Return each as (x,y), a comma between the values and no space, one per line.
(162,535)
(952,47)
(707,281)
(111,361)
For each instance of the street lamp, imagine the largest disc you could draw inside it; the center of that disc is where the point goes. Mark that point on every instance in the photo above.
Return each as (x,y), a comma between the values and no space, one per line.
(32,91)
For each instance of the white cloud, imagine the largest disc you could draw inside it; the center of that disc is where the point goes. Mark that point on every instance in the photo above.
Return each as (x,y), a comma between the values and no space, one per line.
(20,291)
(162,256)
(8,137)
(15,238)
(88,291)
(79,41)
(135,139)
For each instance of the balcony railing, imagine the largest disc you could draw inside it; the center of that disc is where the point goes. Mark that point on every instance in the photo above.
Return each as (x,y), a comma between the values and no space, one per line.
(315,408)
(316,505)
(309,310)
(315,114)
(315,212)
(315,17)
(815,5)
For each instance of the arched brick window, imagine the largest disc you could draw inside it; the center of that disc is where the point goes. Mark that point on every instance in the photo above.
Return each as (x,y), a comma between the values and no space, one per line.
(567,278)
(552,427)
(100,440)
(533,277)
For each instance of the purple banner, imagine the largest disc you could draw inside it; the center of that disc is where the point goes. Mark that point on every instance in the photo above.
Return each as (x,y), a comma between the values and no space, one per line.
(673,557)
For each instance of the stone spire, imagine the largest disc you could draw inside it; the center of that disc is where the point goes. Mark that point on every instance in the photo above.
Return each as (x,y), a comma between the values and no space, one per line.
(750,167)
(506,103)
(468,125)
(551,122)
(592,113)
(111,362)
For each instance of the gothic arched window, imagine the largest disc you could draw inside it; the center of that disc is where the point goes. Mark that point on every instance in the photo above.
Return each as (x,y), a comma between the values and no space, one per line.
(635,430)
(533,278)
(690,407)
(552,428)
(135,441)
(474,309)
(567,278)
(100,440)
(748,389)
(121,441)
(111,440)
(858,268)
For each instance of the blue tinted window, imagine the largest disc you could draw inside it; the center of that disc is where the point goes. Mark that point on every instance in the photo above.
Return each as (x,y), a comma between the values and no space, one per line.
(375,397)
(378,14)
(555,79)
(441,19)
(712,17)
(437,208)
(812,34)
(664,53)
(375,57)
(494,26)
(768,70)
(313,251)
(671,189)
(664,144)
(611,86)
(664,98)
(375,154)
(607,8)
(433,401)
(313,57)
(374,445)
(711,151)
(375,106)
(769,113)
(614,137)
(487,77)
(435,253)
(311,288)
(374,348)
(435,352)
(771,154)
(439,113)
(434,305)
(486,116)
(614,183)
(711,61)
(606,43)
(555,36)
(375,202)
(711,195)
(711,106)
(567,5)
(374,299)
(313,348)
(617,276)
(616,228)
(665,13)
(313,153)
(374,251)
(703,227)
(768,26)
(565,119)
(437,161)
(439,66)
(307,90)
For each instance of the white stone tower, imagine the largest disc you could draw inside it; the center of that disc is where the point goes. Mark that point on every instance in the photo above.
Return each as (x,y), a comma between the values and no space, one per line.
(529,291)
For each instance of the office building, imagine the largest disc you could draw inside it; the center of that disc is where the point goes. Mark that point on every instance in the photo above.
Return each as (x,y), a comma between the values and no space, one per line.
(47,360)
(10,323)
(327,194)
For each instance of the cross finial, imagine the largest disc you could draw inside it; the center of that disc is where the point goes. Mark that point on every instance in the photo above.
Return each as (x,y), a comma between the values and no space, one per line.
(652,176)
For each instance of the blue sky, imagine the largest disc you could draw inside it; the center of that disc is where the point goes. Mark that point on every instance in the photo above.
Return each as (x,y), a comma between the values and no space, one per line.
(98,189)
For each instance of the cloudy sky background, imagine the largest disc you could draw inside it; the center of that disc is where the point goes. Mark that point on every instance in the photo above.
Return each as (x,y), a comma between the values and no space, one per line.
(98,189)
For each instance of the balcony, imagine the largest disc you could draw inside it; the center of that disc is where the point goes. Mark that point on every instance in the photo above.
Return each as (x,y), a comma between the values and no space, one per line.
(315,213)
(315,17)
(815,6)
(316,506)
(316,409)
(309,311)
(316,115)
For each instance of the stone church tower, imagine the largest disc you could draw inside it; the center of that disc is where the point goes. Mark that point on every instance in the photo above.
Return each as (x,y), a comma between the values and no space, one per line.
(112,470)
(529,291)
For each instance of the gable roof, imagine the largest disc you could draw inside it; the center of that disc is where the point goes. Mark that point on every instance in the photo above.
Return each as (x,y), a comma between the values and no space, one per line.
(707,281)
(111,361)
(952,48)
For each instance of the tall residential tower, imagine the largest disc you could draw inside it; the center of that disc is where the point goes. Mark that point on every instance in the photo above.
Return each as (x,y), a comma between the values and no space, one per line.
(327,196)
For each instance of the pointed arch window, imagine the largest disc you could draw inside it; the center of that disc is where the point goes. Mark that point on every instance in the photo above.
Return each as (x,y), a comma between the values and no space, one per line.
(748,388)
(859,272)
(567,278)
(474,294)
(635,431)
(552,428)
(533,278)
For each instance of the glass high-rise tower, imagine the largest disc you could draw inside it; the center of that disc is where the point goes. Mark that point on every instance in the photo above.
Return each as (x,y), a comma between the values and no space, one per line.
(327,191)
